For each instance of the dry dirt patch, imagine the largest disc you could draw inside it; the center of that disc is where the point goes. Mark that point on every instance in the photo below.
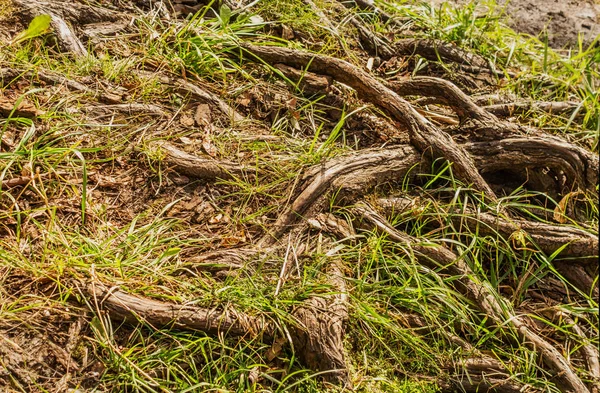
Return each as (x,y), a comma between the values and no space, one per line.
(563,20)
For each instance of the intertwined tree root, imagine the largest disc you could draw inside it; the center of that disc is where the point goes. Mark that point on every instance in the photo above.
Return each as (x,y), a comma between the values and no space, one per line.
(483,150)
(354,175)
(488,145)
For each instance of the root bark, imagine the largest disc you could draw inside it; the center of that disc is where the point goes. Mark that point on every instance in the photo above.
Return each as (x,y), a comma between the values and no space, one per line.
(487,301)
(424,135)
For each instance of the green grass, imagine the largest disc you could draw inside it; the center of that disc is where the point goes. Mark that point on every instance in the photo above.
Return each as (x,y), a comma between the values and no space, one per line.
(542,73)
(69,226)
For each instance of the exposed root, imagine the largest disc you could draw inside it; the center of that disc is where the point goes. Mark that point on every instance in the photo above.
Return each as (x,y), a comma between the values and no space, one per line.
(349,176)
(308,82)
(320,336)
(328,223)
(520,107)
(435,50)
(10,75)
(16,182)
(134,309)
(508,105)
(590,354)
(480,147)
(482,374)
(198,167)
(578,248)
(371,42)
(219,262)
(73,12)
(580,245)
(66,37)
(484,382)
(424,135)
(509,148)
(573,166)
(487,301)
(197,93)
(445,93)
(131,109)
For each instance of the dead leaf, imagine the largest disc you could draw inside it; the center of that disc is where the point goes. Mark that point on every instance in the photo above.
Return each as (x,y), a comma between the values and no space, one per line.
(230,241)
(370,63)
(209,148)
(27,170)
(244,99)
(203,115)
(287,33)
(207,143)
(560,212)
(25,108)
(275,349)
(291,103)
(186,121)
(192,204)
(295,123)
(216,219)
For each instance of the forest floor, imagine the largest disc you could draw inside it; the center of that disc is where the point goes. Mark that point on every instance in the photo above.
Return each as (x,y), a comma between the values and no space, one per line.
(297,195)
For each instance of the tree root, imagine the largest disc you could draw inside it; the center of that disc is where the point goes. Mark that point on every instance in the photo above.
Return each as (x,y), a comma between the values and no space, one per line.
(581,246)
(308,82)
(74,12)
(434,50)
(132,109)
(65,15)
(505,141)
(371,42)
(578,248)
(134,309)
(487,301)
(481,373)
(579,166)
(320,337)
(508,105)
(444,92)
(9,75)
(220,261)
(521,107)
(200,168)
(349,176)
(484,382)
(482,145)
(590,354)
(69,42)
(572,165)
(424,135)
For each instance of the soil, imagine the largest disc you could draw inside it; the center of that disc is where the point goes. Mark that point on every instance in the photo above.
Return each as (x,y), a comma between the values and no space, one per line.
(564,20)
